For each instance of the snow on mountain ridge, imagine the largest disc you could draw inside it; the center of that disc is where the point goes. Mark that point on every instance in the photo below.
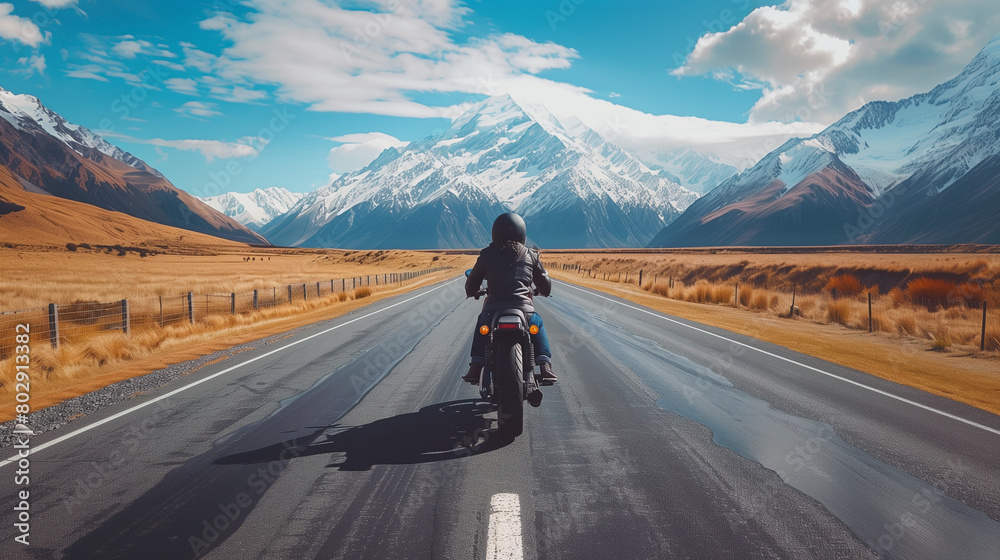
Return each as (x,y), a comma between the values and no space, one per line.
(257,208)
(23,110)
(499,154)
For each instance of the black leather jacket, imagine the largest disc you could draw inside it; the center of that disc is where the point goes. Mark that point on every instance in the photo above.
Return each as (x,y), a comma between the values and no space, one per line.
(509,269)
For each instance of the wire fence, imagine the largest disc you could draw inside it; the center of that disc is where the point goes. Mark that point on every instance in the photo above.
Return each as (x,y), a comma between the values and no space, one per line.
(76,322)
(968,296)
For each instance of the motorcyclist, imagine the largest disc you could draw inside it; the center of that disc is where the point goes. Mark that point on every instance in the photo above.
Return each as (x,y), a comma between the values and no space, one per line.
(509,267)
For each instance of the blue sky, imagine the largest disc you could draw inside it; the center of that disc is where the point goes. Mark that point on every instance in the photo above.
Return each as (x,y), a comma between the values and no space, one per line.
(236,95)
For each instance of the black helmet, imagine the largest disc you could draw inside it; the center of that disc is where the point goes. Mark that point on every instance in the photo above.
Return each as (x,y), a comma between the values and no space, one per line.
(509,227)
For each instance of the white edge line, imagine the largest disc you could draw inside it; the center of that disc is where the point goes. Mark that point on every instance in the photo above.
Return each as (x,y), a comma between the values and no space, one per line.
(835,376)
(210,377)
(503,537)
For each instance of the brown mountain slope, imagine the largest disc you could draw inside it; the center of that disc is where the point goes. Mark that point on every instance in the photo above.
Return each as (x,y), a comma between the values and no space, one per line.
(47,165)
(813,212)
(28,218)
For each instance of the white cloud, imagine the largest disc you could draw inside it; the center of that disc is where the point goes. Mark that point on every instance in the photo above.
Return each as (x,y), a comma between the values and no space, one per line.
(614,95)
(18,28)
(211,149)
(819,60)
(32,64)
(198,109)
(171,65)
(56,3)
(87,72)
(187,86)
(360,61)
(236,94)
(129,47)
(738,144)
(358,150)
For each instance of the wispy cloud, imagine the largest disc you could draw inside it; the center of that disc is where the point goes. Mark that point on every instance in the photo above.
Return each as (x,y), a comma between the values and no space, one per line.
(187,86)
(32,64)
(198,109)
(55,4)
(211,149)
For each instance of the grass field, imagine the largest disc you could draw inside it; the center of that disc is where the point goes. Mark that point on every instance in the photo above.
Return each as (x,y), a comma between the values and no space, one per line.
(34,277)
(926,313)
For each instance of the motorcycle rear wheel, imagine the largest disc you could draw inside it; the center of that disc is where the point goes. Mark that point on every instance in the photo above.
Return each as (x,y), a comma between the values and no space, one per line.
(510,405)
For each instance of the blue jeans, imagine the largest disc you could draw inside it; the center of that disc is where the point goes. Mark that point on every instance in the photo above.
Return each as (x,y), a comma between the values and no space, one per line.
(540,341)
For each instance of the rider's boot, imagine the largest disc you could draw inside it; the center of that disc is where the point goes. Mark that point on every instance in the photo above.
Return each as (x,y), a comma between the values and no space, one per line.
(546,377)
(475,370)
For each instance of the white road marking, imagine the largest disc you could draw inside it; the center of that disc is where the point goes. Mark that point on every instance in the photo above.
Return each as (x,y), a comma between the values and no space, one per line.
(210,377)
(817,370)
(503,541)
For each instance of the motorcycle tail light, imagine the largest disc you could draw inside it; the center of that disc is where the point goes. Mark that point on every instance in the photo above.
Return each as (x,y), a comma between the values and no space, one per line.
(484,330)
(508,326)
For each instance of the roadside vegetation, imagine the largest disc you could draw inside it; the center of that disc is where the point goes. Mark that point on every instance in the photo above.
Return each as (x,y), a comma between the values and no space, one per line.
(926,307)
(936,297)
(79,279)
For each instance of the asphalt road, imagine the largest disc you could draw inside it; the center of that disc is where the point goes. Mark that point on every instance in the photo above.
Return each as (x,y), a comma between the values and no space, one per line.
(354,438)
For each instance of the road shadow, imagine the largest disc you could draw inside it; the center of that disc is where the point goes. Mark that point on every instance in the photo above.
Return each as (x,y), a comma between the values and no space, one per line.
(438,432)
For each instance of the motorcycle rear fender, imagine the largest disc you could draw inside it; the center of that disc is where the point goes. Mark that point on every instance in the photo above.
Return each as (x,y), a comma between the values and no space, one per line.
(509,316)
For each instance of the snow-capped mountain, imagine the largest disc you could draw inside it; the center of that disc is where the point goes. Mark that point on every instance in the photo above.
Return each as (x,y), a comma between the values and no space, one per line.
(254,209)
(890,172)
(42,153)
(697,172)
(573,188)
(25,111)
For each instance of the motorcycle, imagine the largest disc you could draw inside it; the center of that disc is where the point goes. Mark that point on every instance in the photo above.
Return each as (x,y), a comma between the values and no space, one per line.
(508,376)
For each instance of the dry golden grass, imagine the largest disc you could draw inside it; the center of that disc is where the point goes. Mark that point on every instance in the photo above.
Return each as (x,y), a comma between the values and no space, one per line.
(960,373)
(31,278)
(838,311)
(36,277)
(917,285)
(844,285)
(362,292)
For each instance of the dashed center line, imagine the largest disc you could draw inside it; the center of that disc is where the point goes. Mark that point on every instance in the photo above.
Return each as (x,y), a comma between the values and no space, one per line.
(503,542)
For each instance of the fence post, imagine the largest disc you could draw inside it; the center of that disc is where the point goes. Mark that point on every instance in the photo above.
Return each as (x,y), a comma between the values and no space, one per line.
(982,339)
(331,286)
(305,296)
(736,296)
(125,317)
(869,312)
(256,302)
(289,293)
(54,325)
(161,312)
(232,303)
(791,310)
(191,307)
(640,278)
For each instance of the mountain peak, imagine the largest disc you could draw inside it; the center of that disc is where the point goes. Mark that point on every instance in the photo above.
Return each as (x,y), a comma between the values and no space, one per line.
(490,113)
(26,111)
